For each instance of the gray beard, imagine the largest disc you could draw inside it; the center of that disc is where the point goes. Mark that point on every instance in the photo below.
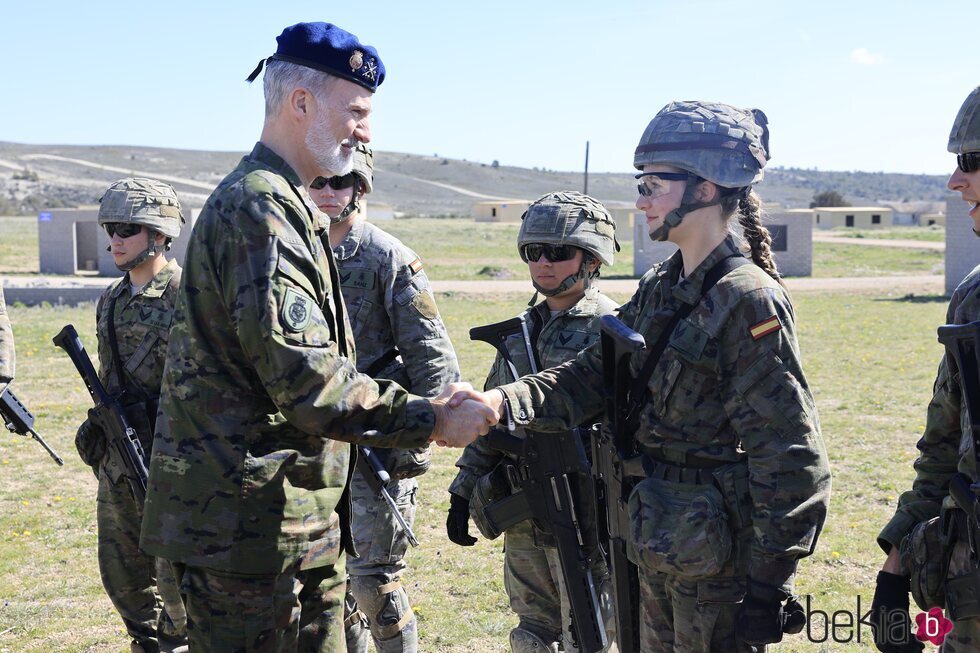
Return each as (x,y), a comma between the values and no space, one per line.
(327,153)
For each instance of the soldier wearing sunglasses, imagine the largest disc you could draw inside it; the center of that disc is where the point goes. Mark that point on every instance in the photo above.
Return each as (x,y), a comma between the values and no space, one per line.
(398,335)
(927,542)
(140,217)
(564,239)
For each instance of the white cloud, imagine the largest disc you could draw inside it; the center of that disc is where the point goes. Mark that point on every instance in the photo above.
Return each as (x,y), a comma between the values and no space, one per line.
(865,57)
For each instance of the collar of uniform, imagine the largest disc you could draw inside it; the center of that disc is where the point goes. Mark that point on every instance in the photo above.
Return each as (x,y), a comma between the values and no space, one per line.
(158,284)
(264,155)
(348,246)
(688,290)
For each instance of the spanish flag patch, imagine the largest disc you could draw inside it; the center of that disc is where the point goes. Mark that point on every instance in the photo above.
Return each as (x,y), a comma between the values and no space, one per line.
(415,265)
(765,327)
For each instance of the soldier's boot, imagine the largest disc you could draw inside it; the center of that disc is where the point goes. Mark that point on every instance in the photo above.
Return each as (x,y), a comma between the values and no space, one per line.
(355,625)
(389,614)
(526,641)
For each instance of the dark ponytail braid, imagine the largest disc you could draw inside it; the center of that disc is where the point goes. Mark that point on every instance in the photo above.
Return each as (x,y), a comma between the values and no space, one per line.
(749,209)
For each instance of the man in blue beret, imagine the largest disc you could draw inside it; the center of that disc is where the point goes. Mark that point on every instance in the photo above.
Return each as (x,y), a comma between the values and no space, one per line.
(261,397)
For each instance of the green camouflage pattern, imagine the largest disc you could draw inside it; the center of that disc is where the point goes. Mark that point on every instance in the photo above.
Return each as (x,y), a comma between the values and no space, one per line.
(965,134)
(532,576)
(718,142)
(945,446)
(143,201)
(718,394)
(139,586)
(570,218)
(364,166)
(390,304)
(260,390)
(7,354)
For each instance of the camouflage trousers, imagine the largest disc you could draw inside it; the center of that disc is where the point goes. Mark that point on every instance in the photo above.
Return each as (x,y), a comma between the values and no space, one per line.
(130,577)
(292,612)
(965,636)
(375,575)
(536,588)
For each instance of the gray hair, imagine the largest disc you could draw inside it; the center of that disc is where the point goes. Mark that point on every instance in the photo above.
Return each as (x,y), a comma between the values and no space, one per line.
(281,77)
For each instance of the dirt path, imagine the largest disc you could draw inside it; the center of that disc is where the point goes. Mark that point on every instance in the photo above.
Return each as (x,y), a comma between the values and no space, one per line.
(878,242)
(126,171)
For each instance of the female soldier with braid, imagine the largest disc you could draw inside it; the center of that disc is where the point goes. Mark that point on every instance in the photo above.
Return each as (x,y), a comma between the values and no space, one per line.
(736,483)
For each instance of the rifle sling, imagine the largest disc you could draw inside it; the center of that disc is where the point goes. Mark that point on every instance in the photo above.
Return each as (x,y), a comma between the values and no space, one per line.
(114,345)
(714,275)
(387,358)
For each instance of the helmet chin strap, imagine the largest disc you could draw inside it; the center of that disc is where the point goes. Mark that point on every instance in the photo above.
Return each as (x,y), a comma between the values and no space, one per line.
(351,206)
(688,205)
(152,249)
(569,281)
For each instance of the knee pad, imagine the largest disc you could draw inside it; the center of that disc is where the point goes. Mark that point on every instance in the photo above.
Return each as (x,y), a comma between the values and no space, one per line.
(355,625)
(385,604)
(526,641)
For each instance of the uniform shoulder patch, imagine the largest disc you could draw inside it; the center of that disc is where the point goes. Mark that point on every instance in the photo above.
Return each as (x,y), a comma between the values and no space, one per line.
(297,310)
(416,265)
(764,328)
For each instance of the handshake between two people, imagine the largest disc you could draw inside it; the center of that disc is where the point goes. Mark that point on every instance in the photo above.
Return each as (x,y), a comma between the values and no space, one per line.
(464,414)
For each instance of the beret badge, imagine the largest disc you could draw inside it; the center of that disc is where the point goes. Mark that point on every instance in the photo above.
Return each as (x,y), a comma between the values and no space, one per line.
(356,60)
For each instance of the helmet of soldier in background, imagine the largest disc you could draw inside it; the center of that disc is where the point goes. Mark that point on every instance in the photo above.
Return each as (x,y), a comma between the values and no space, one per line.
(570,218)
(716,142)
(363,168)
(146,202)
(965,135)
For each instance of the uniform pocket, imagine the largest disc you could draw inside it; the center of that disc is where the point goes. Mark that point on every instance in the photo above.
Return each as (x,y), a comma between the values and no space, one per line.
(679,529)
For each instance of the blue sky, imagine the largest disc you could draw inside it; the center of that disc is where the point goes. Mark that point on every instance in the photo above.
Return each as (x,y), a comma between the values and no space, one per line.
(846,85)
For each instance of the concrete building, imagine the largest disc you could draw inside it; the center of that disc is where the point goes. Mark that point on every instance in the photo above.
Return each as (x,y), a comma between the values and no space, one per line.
(379,211)
(792,243)
(499,210)
(914,213)
(71,242)
(962,247)
(623,213)
(858,217)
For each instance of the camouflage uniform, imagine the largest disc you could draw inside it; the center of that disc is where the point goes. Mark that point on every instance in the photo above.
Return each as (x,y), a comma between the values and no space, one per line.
(532,575)
(130,577)
(391,311)
(7,357)
(719,398)
(260,397)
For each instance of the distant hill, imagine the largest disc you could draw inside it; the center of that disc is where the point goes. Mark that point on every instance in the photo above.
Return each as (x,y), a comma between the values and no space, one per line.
(33,177)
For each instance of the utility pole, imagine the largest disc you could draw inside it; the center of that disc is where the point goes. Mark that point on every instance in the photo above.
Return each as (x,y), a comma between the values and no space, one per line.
(586,191)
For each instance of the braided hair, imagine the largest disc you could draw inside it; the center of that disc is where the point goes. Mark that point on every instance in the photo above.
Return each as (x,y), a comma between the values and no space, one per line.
(749,208)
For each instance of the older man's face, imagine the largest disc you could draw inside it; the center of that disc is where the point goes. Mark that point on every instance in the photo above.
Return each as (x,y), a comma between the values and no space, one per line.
(340,124)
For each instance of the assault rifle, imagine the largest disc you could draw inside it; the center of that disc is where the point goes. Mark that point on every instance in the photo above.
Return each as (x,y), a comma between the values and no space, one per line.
(378,478)
(615,463)
(122,441)
(19,420)
(552,472)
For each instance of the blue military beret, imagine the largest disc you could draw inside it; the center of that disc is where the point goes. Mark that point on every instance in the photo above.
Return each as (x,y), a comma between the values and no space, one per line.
(326,47)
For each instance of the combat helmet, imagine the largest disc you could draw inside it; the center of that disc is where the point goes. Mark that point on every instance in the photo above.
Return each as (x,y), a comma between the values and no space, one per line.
(363,167)
(965,135)
(570,218)
(147,202)
(716,142)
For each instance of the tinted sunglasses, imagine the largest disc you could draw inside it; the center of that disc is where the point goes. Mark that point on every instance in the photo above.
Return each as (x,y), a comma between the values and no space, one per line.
(554,253)
(123,229)
(647,190)
(968,161)
(336,183)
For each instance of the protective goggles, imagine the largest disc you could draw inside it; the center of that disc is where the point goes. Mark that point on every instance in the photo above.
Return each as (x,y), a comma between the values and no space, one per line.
(122,229)
(968,161)
(336,183)
(652,183)
(532,252)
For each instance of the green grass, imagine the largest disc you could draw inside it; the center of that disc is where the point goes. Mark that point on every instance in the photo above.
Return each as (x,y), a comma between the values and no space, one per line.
(870,360)
(935,233)
(833,259)
(18,245)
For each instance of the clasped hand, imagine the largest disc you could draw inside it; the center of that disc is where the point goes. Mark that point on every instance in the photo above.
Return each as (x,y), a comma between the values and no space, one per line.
(463,414)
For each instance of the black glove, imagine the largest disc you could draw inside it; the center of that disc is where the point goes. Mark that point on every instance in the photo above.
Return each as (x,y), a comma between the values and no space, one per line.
(763,617)
(90,442)
(890,615)
(458,521)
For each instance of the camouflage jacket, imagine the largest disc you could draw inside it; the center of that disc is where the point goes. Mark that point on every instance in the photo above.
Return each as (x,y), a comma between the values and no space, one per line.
(945,446)
(729,387)
(260,391)
(7,357)
(390,306)
(558,339)
(142,323)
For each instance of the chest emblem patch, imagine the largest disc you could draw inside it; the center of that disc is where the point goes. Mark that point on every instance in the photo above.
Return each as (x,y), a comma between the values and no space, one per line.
(297,310)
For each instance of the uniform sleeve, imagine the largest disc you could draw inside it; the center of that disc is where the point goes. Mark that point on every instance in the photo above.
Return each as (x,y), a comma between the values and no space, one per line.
(269,279)
(7,353)
(773,414)
(936,464)
(419,333)
(478,459)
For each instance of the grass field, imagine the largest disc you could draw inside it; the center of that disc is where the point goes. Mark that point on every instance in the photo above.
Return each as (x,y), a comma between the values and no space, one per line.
(934,233)
(870,360)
